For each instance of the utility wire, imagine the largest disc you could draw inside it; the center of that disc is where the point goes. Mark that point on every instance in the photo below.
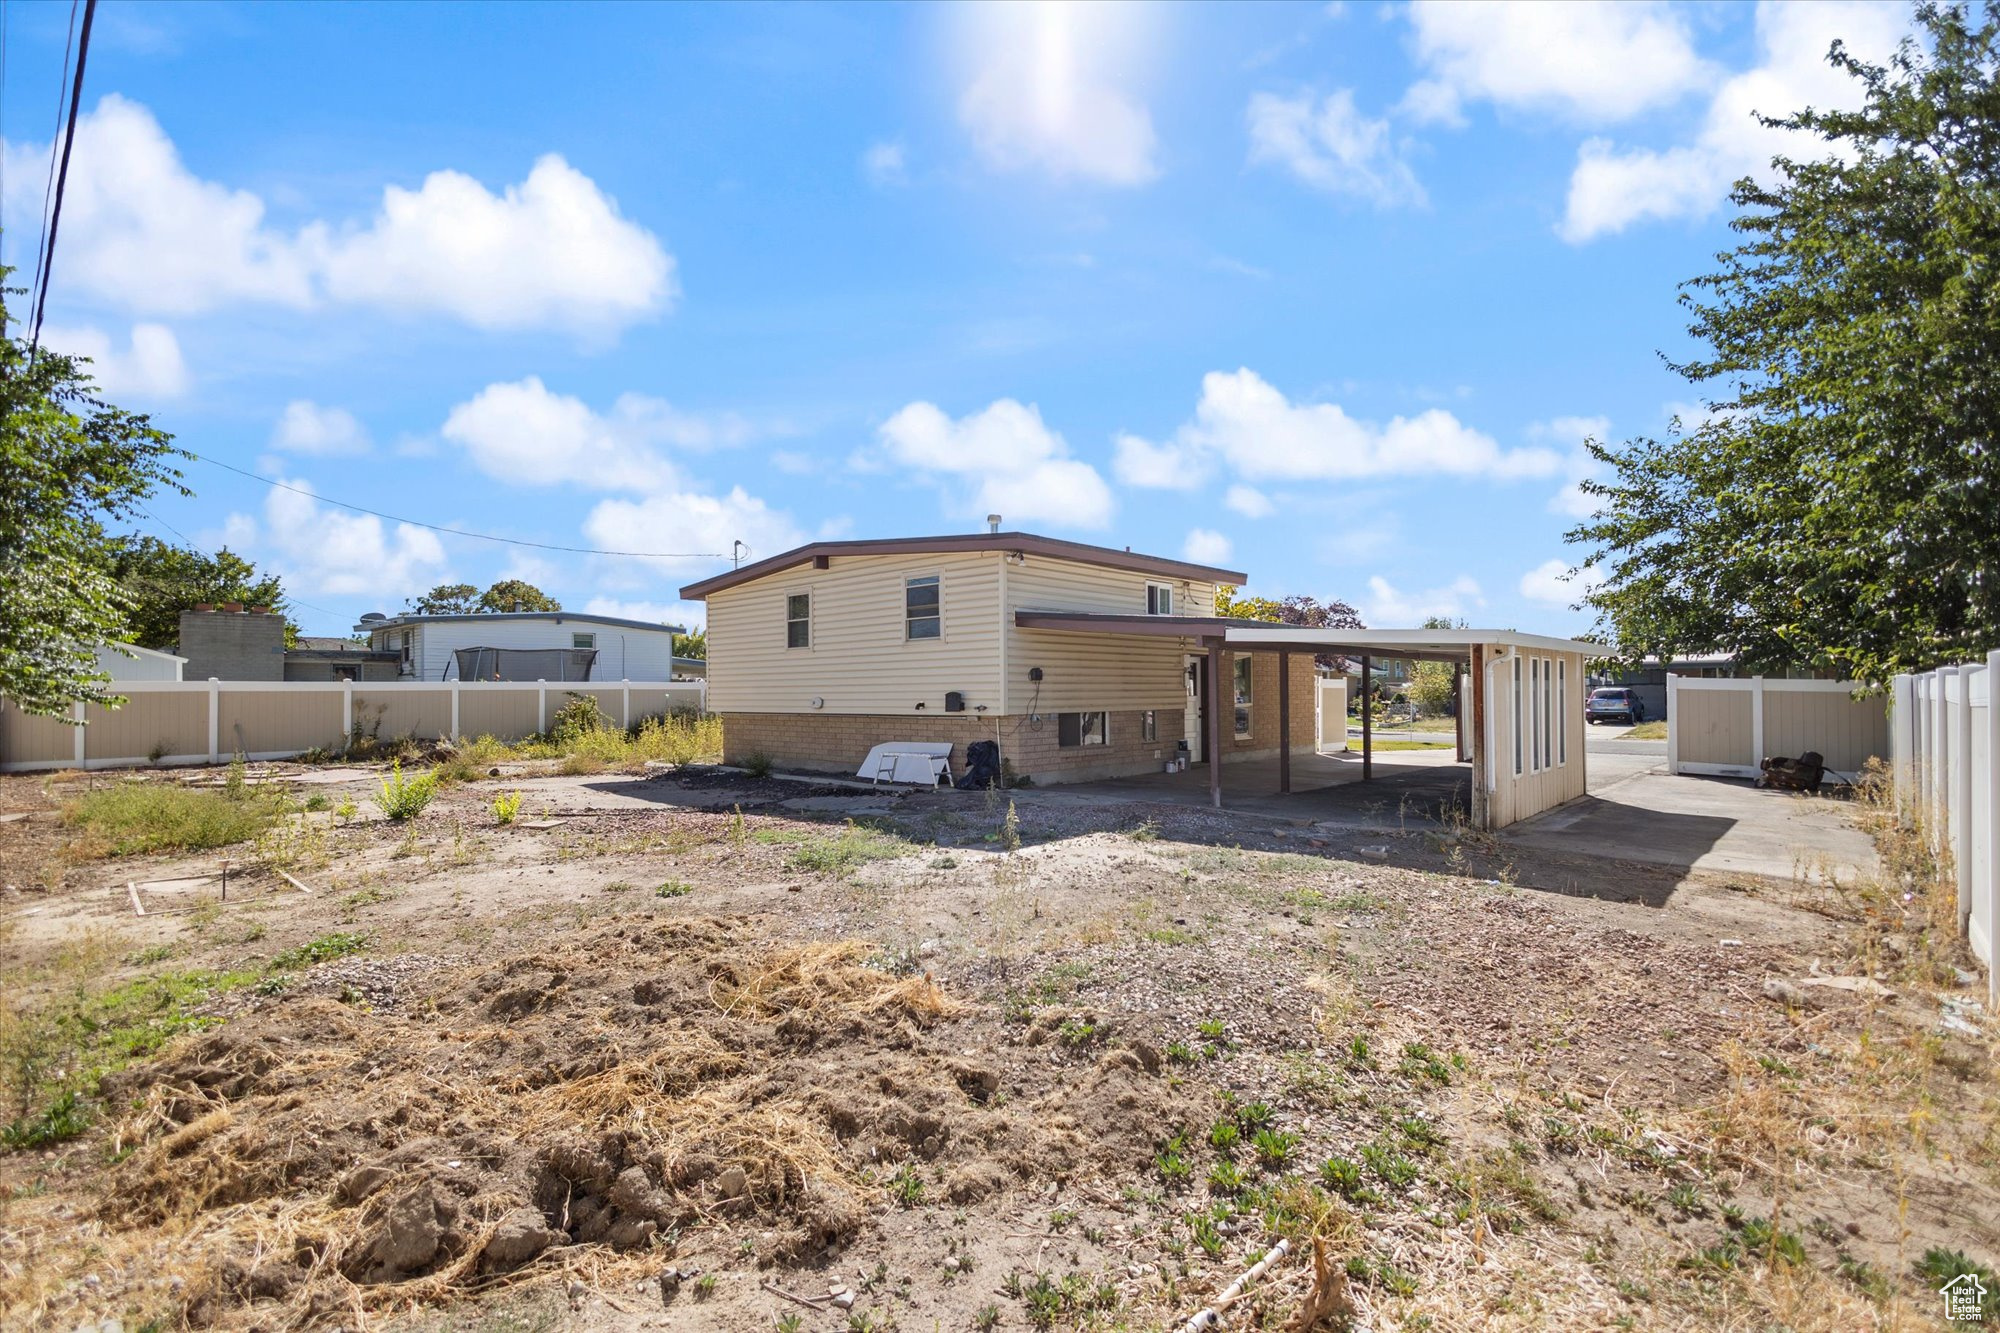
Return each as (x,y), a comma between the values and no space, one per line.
(455,532)
(62,177)
(49,185)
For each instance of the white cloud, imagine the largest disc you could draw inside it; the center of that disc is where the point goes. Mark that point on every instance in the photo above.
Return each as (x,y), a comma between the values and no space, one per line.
(1592,60)
(1261,435)
(329,551)
(1332,147)
(307,428)
(1163,467)
(526,434)
(1002,460)
(142,232)
(1552,582)
(1049,87)
(1206,546)
(691,614)
(1249,502)
(551,252)
(150,365)
(1387,607)
(703,526)
(884,164)
(1614,187)
(1570,433)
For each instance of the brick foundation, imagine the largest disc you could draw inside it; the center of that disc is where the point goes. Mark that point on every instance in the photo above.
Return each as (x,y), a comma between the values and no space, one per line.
(823,743)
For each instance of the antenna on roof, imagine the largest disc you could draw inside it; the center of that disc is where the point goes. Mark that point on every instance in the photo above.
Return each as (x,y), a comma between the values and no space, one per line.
(993,522)
(737,551)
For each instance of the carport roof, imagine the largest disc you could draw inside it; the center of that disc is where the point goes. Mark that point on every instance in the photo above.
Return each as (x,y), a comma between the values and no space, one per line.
(1424,645)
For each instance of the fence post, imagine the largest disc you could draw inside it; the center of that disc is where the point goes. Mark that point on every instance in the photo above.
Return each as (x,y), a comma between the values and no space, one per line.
(214,720)
(1940,775)
(1902,746)
(77,712)
(346,711)
(1992,922)
(1673,724)
(625,708)
(454,711)
(541,707)
(1961,797)
(1756,721)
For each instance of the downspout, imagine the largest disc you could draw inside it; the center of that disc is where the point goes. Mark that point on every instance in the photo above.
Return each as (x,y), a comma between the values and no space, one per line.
(1005,632)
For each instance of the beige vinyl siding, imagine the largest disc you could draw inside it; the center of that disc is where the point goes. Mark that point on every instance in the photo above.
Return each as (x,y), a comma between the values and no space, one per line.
(1089,672)
(859,660)
(1515,797)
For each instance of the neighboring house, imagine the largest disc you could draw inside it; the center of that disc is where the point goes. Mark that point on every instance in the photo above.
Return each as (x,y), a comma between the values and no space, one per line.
(523,645)
(128,661)
(232,642)
(824,651)
(690,668)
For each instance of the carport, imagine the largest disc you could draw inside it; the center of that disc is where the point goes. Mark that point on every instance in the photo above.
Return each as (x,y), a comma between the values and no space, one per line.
(1520,696)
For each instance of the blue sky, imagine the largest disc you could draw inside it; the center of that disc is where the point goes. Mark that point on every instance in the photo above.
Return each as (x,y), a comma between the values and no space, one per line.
(1326,293)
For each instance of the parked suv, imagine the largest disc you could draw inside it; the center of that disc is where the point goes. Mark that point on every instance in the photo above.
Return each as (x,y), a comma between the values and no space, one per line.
(1614,705)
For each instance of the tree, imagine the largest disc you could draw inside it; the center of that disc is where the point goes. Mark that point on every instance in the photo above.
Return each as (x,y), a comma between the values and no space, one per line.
(1297,609)
(159,581)
(516,595)
(447,599)
(1434,685)
(1836,505)
(692,645)
(69,463)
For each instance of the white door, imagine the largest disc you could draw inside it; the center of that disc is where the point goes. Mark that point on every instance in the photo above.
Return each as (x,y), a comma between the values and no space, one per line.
(1191,717)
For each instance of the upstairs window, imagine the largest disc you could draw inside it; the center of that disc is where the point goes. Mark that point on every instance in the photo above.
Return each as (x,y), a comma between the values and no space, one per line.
(1159,599)
(798,620)
(921,619)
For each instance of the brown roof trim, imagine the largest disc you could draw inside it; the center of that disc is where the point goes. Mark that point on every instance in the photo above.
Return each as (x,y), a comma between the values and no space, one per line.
(1026,542)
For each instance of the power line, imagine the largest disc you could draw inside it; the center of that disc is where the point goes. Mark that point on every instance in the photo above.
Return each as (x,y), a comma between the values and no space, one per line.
(62,177)
(455,532)
(48,185)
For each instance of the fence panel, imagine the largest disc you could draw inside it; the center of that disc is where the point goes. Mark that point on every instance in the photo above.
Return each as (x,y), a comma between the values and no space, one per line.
(197,722)
(1945,737)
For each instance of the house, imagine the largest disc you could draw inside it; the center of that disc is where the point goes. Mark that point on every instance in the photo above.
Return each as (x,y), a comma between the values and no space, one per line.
(523,645)
(324,657)
(128,661)
(1086,662)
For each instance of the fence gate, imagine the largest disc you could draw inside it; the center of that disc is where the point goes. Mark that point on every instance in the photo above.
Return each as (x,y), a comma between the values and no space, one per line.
(1331,715)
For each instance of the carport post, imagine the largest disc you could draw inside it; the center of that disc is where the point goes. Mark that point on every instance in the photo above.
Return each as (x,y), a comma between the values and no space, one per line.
(1284,722)
(1367,724)
(1477,725)
(1214,745)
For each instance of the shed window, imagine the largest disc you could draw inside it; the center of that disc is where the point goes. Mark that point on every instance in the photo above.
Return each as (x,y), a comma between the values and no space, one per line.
(1159,599)
(920,609)
(1517,715)
(1562,710)
(583,640)
(1534,715)
(798,620)
(1243,699)
(1075,729)
(1548,714)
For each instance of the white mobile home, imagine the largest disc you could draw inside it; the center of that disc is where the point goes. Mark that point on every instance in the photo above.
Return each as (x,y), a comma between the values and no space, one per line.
(524,645)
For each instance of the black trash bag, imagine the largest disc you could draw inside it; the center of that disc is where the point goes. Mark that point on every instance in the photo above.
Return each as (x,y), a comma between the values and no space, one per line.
(982,766)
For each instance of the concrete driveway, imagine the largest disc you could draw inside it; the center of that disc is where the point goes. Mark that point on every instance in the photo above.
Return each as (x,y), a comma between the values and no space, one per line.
(1637,811)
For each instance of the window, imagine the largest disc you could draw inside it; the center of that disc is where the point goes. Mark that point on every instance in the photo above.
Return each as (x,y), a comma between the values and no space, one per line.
(1243,700)
(583,640)
(798,620)
(920,609)
(1548,714)
(1149,725)
(1517,715)
(1534,728)
(1074,729)
(1562,710)
(1159,599)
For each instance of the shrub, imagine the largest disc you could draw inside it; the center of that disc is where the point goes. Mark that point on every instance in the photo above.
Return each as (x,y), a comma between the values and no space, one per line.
(138,817)
(324,949)
(405,798)
(577,718)
(757,765)
(506,808)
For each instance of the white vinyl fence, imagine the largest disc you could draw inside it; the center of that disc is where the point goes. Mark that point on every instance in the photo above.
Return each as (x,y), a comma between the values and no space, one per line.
(1945,751)
(1725,727)
(207,722)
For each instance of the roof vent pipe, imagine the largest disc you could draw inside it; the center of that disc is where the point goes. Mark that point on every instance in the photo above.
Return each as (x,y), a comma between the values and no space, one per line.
(993,522)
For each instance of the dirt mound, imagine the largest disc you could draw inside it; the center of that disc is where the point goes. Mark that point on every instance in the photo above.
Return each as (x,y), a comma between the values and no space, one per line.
(611,1095)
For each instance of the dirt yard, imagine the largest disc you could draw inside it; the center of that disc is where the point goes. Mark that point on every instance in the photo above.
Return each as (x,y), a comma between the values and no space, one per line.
(686,1049)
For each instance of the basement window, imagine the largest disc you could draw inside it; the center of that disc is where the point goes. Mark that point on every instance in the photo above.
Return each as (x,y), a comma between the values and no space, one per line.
(1149,726)
(1078,729)
(921,617)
